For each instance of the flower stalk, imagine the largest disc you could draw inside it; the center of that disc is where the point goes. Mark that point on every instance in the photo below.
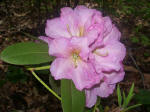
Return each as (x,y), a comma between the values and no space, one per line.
(39,68)
(45,85)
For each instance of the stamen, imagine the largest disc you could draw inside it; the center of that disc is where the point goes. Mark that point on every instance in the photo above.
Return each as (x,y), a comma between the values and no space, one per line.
(68,29)
(99,54)
(81,31)
(75,58)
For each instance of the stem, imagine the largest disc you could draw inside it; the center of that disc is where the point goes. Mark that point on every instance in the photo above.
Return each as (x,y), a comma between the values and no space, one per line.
(45,85)
(94,110)
(39,68)
(131,107)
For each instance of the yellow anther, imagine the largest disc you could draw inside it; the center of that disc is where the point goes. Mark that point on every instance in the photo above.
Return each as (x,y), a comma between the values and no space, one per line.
(100,54)
(81,31)
(68,29)
(75,57)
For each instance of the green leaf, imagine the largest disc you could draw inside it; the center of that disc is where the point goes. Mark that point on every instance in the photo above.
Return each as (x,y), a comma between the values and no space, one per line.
(129,97)
(26,53)
(55,84)
(119,95)
(72,99)
(131,107)
(124,97)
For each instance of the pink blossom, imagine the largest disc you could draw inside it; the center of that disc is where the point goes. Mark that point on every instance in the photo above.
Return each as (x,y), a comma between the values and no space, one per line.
(88,51)
(79,22)
(72,62)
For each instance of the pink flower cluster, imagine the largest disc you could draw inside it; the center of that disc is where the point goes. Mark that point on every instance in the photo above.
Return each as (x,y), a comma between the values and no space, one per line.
(87,50)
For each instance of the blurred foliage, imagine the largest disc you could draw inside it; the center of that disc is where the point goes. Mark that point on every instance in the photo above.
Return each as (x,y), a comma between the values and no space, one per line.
(143,97)
(2,82)
(134,13)
(14,75)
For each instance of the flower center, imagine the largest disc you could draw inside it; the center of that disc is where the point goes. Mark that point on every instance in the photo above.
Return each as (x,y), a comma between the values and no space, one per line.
(75,56)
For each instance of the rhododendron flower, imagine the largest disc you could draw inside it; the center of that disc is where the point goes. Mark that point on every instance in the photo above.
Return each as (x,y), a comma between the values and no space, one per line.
(88,51)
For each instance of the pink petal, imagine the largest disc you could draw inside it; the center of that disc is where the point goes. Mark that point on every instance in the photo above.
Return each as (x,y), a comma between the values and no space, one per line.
(91,98)
(46,39)
(114,35)
(69,18)
(60,47)
(109,57)
(55,28)
(93,33)
(66,11)
(107,25)
(62,68)
(114,76)
(109,33)
(82,45)
(84,76)
(104,89)
(84,15)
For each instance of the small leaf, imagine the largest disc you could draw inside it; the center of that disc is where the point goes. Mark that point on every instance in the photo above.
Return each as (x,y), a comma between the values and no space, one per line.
(26,53)
(129,97)
(119,95)
(72,99)
(124,96)
(131,107)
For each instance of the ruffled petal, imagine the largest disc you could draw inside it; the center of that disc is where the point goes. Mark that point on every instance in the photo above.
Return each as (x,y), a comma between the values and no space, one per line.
(107,25)
(108,57)
(114,35)
(92,34)
(81,44)
(84,15)
(114,77)
(55,28)
(60,47)
(69,18)
(66,11)
(91,98)
(104,89)
(84,76)
(62,68)
(98,27)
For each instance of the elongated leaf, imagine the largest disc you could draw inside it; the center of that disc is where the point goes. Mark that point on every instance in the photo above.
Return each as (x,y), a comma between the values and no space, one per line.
(131,107)
(55,84)
(119,95)
(129,97)
(66,95)
(72,99)
(124,98)
(26,53)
